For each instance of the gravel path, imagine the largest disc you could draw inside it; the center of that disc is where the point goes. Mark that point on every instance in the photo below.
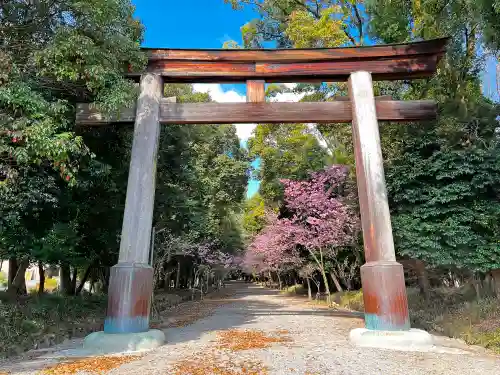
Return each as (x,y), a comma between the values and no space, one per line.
(311,341)
(319,345)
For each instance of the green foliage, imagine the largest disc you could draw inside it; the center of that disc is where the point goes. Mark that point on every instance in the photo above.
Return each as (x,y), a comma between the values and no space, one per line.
(3,279)
(445,206)
(442,175)
(305,23)
(47,319)
(401,20)
(351,300)
(202,175)
(51,182)
(286,151)
(254,219)
(304,30)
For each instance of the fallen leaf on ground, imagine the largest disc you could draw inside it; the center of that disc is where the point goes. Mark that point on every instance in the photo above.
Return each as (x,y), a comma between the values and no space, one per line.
(236,340)
(94,365)
(201,365)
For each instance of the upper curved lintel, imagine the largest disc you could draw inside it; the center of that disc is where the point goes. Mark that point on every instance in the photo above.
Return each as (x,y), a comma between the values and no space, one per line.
(385,62)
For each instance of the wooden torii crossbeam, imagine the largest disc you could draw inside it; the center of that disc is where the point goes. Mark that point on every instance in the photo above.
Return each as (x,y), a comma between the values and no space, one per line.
(382,277)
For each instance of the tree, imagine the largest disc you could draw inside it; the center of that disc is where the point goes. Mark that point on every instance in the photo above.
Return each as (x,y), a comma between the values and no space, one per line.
(303,23)
(51,56)
(440,205)
(316,221)
(445,206)
(254,218)
(285,151)
(202,174)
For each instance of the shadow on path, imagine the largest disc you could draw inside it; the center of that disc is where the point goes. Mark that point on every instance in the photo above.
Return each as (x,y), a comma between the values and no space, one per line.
(247,304)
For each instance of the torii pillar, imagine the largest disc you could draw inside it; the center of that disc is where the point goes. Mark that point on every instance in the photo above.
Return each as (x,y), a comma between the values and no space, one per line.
(387,320)
(126,327)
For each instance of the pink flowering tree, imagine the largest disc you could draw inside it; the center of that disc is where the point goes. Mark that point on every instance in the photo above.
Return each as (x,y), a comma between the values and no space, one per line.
(319,221)
(274,249)
(210,264)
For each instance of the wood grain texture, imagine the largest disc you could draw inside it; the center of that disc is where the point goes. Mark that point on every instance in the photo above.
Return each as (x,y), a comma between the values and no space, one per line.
(372,191)
(138,215)
(298,55)
(256,91)
(220,113)
(330,71)
(385,62)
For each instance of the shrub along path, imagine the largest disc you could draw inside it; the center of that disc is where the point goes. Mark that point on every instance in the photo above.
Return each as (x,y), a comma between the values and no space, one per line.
(261,332)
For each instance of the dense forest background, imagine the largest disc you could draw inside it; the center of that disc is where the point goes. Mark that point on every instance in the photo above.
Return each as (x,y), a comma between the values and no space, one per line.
(62,188)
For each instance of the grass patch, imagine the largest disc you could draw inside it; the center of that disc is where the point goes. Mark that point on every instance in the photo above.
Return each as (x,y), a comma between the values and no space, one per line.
(456,313)
(38,322)
(350,300)
(293,290)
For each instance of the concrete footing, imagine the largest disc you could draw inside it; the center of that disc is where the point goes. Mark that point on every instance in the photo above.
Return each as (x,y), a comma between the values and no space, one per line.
(101,342)
(412,340)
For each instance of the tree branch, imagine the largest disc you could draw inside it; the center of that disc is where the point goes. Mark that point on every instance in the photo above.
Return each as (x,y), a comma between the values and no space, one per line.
(359,22)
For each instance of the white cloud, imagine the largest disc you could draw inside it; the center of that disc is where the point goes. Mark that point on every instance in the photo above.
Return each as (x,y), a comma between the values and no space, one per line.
(244,131)
(217,93)
(288,97)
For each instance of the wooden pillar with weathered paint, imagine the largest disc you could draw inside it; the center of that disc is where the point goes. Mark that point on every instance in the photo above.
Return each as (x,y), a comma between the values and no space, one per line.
(131,280)
(384,290)
(256,92)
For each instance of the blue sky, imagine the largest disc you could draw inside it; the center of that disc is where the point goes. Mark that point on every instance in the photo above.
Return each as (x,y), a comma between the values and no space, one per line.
(198,24)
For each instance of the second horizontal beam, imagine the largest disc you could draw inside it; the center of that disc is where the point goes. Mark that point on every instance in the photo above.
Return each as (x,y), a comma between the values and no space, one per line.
(241,113)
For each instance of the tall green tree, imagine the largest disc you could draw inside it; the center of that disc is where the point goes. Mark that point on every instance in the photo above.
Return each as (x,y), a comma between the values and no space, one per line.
(442,176)
(52,55)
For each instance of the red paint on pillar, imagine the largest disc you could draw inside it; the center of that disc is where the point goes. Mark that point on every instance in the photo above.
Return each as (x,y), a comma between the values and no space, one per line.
(130,292)
(384,295)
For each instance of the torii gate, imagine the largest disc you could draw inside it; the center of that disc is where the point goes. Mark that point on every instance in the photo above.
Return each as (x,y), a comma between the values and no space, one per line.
(384,291)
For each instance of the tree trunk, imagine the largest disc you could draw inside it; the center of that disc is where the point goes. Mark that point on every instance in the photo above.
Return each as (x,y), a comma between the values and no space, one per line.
(336,282)
(66,280)
(41,283)
(84,280)
(495,274)
(477,286)
(178,277)
(13,266)
(18,285)
(327,287)
(309,292)
(279,280)
(423,279)
(73,280)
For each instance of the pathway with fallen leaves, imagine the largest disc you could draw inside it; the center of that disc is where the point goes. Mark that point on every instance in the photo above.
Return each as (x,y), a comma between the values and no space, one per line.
(261,332)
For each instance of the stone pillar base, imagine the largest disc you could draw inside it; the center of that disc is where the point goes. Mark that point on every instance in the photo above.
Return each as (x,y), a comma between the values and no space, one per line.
(102,343)
(412,340)
(129,298)
(384,295)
